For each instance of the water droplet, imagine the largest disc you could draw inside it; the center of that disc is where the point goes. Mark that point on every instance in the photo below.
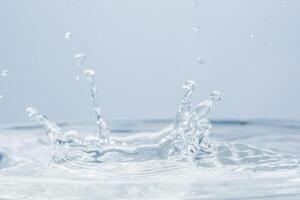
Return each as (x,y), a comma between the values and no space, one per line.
(80,58)
(215,96)
(189,85)
(68,35)
(1,96)
(251,36)
(77,78)
(265,43)
(201,60)
(284,5)
(196,29)
(89,72)
(31,111)
(5,73)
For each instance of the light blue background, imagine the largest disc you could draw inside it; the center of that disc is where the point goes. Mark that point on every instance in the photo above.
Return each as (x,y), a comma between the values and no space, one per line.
(143,51)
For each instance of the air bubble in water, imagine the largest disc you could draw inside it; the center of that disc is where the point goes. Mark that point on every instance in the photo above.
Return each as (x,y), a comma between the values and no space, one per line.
(5,73)
(80,58)
(201,60)
(68,35)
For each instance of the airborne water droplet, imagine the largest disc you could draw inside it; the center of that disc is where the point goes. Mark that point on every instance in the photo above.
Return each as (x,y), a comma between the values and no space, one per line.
(80,58)
(68,35)
(89,72)
(264,43)
(196,29)
(201,60)
(251,36)
(189,85)
(5,73)
(215,96)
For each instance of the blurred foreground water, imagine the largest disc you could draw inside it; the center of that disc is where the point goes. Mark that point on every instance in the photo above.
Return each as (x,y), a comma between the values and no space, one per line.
(251,160)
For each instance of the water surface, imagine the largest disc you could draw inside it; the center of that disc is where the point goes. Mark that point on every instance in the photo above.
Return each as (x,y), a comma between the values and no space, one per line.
(251,160)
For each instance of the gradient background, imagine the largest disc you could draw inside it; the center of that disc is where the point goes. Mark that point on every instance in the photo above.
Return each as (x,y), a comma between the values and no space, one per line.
(143,51)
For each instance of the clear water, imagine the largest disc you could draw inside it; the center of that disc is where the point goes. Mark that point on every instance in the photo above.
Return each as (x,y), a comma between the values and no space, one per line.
(251,160)
(175,159)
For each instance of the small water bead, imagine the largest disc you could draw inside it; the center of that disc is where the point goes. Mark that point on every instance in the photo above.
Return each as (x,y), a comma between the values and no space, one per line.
(196,29)
(251,36)
(1,96)
(31,111)
(215,96)
(5,73)
(89,72)
(68,35)
(284,5)
(77,78)
(264,43)
(201,60)
(189,85)
(80,58)
(90,76)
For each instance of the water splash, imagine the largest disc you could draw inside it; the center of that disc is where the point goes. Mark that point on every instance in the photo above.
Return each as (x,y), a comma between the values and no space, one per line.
(52,128)
(102,125)
(187,138)
(184,108)
(54,133)
(80,58)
